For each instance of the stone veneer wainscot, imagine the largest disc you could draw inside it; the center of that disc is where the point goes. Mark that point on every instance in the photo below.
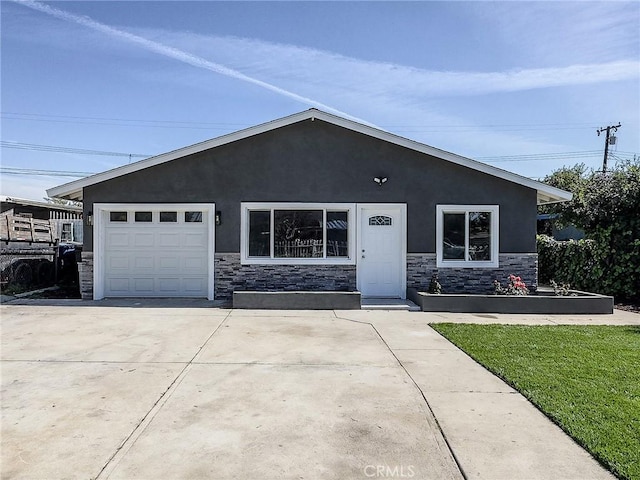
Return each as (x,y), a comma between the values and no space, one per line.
(421,266)
(230,275)
(85,276)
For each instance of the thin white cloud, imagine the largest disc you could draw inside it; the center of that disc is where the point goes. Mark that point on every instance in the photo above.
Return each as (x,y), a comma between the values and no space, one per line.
(312,68)
(174,53)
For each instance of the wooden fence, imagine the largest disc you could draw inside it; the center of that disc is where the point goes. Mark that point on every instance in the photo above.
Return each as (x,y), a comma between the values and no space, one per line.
(24,229)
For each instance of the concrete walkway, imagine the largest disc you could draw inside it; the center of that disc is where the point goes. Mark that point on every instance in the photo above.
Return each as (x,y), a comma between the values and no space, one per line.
(492,430)
(156,389)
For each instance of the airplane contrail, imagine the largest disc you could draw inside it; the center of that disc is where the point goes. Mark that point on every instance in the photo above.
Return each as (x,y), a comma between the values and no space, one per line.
(176,54)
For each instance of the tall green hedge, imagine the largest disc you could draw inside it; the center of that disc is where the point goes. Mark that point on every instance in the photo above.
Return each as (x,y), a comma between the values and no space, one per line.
(591,265)
(606,206)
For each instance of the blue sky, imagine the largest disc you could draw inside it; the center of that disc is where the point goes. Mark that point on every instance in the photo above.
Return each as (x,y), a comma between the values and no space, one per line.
(521,85)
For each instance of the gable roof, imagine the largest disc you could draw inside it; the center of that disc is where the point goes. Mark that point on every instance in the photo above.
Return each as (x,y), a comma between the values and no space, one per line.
(546,193)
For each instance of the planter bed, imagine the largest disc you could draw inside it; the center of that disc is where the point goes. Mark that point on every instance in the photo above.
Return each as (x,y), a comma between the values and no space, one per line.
(542,302)
(298,300)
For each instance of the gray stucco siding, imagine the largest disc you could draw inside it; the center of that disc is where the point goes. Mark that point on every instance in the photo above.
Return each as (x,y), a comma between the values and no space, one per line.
(314,161)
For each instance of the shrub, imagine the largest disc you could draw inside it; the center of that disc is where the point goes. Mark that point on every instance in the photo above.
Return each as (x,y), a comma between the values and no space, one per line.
(590,265)
(605,206)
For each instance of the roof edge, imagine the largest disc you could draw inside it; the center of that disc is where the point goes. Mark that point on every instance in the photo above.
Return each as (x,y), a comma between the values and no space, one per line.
(36,203)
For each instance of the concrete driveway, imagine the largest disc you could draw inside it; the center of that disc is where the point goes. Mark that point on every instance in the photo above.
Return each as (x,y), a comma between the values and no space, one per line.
(168,390)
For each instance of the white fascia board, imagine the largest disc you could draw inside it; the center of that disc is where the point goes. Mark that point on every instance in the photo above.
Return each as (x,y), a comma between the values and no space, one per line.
(546,193)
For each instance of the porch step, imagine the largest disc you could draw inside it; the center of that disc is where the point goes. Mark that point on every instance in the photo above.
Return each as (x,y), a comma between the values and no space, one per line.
(388,304)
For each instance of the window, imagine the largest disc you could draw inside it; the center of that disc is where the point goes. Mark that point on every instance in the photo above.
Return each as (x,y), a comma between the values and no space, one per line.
(380,220)
(193,217)
(66,235)
(168,217)
(260,233)
(297,233)
(143,216)
(118,216)
(467,235)
(337,234)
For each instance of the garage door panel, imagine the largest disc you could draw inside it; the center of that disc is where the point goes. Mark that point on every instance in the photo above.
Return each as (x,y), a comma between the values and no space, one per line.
(197,239)
(144,240)
(118,262)
(195,265)
(171,240)
(154,259)
(117,238)
(170,263)
(193,285)
(117,285)
(146,262)
(143,286)
(170,286)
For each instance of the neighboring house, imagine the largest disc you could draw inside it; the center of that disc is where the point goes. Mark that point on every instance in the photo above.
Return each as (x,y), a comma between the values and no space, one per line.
(311,201)
(548,226)
(65,220)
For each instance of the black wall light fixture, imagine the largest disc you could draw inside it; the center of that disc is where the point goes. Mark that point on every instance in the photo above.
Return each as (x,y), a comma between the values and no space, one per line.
(380,180)
(218,217)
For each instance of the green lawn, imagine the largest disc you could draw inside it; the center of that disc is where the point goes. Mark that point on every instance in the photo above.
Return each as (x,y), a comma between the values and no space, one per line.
(585,378)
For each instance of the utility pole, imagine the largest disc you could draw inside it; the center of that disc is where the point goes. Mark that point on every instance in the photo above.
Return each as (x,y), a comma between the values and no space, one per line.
(606,142)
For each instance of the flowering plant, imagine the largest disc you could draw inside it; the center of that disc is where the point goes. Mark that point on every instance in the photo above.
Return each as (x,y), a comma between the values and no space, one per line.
(515,287)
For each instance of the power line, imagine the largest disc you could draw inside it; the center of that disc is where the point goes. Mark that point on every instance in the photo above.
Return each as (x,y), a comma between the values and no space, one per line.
(34,117)
(229,126)
(45,173)
(119,119)
(475,128)
(491,159)
(59,149)
(539,156)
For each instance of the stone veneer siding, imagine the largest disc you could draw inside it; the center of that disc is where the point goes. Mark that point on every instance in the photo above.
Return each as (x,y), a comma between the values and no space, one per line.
(421,266)
(85,276)
(230,275)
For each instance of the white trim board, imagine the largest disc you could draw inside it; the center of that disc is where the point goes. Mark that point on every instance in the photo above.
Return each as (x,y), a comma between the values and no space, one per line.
(73,190)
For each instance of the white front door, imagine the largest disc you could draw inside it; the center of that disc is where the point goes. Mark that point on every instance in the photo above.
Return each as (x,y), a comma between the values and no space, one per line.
(381,255)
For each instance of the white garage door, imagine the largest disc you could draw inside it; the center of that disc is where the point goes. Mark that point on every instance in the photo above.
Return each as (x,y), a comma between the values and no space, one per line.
(156,251)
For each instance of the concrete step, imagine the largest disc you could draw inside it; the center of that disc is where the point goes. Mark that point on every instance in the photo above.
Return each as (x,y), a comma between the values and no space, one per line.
(388,304)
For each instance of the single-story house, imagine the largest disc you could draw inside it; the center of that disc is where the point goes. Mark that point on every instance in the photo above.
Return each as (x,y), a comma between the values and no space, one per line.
(312,201)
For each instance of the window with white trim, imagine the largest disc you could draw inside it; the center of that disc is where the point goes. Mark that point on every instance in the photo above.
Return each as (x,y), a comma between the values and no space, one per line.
(297,233)
(467,236)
